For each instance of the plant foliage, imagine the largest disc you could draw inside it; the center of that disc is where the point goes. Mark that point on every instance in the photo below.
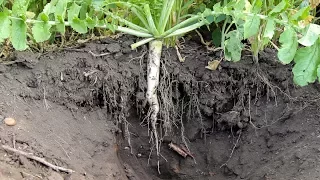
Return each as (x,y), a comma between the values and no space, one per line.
(292,24)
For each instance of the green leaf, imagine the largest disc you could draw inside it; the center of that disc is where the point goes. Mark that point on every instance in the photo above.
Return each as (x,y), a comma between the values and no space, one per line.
(20,7)
(289,44)
(19,35)
(311,35)
(165,14)
(240,5)
(307,64)
(4,26)
(61,8)
(79,25)
(216,37)
(233,46)
(302,14)
(73,12)
(60,26)
(220,18)
(251,26)
(43,17)
(283,5)
(41,31)
(270,28)
(91,23)
(1,1)
(150,20)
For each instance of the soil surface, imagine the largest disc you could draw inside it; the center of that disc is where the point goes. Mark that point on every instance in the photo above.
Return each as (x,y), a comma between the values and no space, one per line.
(82,108)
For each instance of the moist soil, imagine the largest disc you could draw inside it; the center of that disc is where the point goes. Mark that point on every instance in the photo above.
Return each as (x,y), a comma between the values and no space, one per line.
(82,108)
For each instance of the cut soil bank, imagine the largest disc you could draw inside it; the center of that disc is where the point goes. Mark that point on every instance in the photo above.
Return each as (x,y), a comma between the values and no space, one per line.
(82,111)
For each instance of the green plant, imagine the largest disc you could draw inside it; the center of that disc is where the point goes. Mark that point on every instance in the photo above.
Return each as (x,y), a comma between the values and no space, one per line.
(159,22)
(290,25)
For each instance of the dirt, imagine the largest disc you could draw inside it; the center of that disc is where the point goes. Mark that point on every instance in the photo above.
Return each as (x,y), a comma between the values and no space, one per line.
(82,108)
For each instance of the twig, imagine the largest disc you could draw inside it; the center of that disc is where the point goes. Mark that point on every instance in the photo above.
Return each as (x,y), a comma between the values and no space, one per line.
(98,55)
(40,160)
(178,150)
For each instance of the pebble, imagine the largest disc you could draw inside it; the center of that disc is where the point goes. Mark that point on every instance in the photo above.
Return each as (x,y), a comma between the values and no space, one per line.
(10,121)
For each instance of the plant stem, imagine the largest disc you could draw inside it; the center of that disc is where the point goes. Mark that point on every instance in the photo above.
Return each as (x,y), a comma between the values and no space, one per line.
(155,49)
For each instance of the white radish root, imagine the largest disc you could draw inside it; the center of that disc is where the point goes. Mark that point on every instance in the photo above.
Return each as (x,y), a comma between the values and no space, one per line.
(155,49)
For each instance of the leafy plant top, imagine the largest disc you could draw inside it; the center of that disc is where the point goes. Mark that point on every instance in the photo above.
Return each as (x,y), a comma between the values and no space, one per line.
(261,23)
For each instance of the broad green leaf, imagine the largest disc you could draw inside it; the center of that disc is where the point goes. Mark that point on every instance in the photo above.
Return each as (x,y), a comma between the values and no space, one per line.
(60,26)
(240,5)
(61,8)
(283,5)
(233,46)
(311,35)
(49,8)
(257,6)
(302,14)
(220,18)
(270,28)
(41,31)
(84,9)
(307,62)
(91,23)
(251,26)
(73,12)
(79,25)
(216,37)
(20,7)
(217,7)
(19,35)
(1,1)
(289,44)
(4,26)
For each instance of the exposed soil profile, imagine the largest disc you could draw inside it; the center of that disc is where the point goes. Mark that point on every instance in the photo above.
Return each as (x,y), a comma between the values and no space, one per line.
(85,112)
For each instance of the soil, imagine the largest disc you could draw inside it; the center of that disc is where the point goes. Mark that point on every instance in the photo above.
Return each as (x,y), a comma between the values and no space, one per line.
(82,111)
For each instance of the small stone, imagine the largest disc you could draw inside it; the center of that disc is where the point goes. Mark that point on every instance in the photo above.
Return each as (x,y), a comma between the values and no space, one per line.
(10,121)
(240,125)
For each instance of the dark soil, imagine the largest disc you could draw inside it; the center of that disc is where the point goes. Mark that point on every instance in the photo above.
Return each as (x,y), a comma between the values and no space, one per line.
(79,111)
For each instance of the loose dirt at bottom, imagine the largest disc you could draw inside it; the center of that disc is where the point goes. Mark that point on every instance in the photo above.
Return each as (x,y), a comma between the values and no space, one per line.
(245,121)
